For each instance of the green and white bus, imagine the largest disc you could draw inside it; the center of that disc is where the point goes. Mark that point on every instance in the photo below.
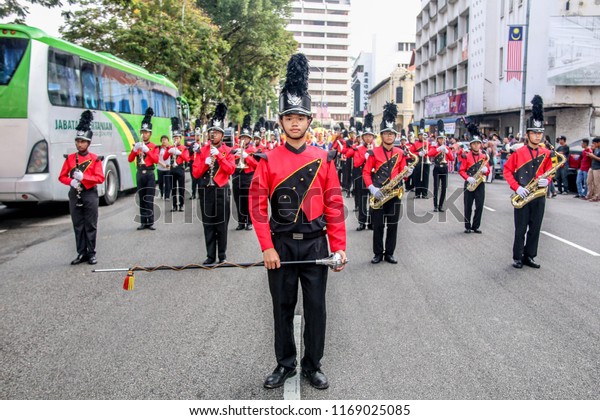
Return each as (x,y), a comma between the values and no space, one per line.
(45,84)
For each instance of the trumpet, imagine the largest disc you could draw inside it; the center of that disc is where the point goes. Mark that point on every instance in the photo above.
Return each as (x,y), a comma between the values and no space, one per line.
(241,163)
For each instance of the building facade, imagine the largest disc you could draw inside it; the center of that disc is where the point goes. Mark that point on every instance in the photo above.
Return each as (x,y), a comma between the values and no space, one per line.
(466,64)
(397,88)
(322,30)
(361,83)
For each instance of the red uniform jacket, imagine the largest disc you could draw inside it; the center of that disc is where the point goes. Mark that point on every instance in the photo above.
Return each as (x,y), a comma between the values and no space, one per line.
(525,164)
(437,160)
(90,165)
(250,162)
(359,156)
(470,164)
(380,168)
(150,158)
(417,146)
(339,145)
(304,191)
(224,164)
(183,157)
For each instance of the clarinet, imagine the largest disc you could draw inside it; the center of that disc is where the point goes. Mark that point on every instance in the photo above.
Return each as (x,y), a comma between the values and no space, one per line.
(79,202)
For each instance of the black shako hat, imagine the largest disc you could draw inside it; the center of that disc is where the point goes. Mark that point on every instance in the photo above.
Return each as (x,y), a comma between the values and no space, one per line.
(440,129)
(217,122)
(84,131)
(175,127)
(246,129)
(388,123)
(368,125)
(474,135)
(536,121)
(147,121)
(294,98)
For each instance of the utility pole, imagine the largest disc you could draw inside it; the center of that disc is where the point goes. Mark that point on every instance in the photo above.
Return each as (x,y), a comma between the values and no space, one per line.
(524,83)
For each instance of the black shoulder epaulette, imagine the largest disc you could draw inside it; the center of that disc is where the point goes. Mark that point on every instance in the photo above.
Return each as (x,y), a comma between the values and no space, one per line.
(99,158)
(65,156)
(331,155)
(259,156)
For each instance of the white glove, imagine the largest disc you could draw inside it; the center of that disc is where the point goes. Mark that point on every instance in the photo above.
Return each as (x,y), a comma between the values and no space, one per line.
(441,149)
(238,152)
(375,192)
(543,182)
(174,151)
(145,148)
(523,192)
(214,151)
(410,171)
(137,147)
(196,147)
(244,155)
(421,153)
(471,180)
(484,170)
(208,161)
(367,156)
(74,183)
(78,175)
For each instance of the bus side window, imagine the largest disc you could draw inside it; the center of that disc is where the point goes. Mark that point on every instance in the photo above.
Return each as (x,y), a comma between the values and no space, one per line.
(64,83)
(90,90)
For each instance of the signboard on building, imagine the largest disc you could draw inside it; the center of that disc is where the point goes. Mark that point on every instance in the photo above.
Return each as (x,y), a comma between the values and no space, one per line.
(458,104)
(574,51)
(437,104)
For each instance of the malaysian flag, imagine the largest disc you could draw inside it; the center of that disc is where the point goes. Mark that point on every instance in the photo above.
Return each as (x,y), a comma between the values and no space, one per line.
(515,57)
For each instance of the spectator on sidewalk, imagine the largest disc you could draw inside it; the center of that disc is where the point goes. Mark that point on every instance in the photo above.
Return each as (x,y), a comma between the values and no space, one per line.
(562,180)
(585,162)
(594,173)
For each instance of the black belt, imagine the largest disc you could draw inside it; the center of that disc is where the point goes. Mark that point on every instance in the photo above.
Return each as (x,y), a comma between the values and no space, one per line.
(82,187)
(299,236)
(145,168)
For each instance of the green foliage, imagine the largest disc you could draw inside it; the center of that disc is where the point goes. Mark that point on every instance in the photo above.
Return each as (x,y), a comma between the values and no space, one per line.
(19,9)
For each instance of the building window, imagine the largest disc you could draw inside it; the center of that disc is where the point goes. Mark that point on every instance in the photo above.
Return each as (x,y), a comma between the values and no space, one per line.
(501,69)
(315,22)
(443,81)
(511,5)
(400,46)
(340,24)
(443,40)
(314,46)
(454,78)
(399,95)
(344,36)
(315,34)
(295,22)
(337,58)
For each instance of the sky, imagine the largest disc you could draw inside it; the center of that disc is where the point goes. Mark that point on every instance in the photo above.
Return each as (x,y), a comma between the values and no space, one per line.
(387,18)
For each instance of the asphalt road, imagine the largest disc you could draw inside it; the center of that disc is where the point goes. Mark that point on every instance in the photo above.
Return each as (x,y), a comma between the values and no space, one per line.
(453,320)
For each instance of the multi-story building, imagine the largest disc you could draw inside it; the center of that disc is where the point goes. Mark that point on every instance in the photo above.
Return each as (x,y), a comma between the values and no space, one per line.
(361,83)
(397,88)
(463,56)
(321,28)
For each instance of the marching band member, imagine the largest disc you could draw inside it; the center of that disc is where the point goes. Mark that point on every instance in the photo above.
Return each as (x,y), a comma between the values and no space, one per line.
(145,154)
(307,209)
(178,156)
(82,171)
(421,172)
(338,144)
(163,168)
(387,161)
(213,165)
(524,165)
(471,163)
(360,157)
(243,175)
(441,155)
(196,146)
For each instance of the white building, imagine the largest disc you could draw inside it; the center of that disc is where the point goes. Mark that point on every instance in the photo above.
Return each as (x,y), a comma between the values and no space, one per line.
(462,54)
(321,28)
(361,83)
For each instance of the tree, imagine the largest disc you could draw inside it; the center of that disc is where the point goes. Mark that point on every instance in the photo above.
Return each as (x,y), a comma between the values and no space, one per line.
(20,10)
(155,34)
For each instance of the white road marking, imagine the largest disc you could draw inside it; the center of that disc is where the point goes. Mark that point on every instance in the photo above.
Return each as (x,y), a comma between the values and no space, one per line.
(488,208)
(291,388)
(579,247)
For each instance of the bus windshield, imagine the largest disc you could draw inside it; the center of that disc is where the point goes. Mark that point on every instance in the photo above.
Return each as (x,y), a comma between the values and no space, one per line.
(11,53)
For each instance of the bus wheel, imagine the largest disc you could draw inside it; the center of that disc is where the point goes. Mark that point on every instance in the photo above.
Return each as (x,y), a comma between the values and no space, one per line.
(111,184)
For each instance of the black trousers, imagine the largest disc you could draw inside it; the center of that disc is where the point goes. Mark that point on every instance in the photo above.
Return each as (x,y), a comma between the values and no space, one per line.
(283,284)
(195,181)
(347,175)
(362,194)
(528,221)
(178,188)
(146,188)
(215,208)
(165,183)
(477,196)
(421,184)
(357,185)
(85,220)
(241,191)
(440,178)
(388,215)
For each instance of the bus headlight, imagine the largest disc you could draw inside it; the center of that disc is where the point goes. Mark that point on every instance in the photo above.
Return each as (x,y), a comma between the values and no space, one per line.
(38,160)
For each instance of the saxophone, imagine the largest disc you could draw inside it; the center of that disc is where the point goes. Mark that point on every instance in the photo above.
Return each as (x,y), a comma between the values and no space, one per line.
(479,176)
(535,191)
(389,190)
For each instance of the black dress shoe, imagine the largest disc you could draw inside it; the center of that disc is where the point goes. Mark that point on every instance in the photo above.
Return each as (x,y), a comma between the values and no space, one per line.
(477,231)
(80,258)
(174,209)
(517,263)
(435,210)
(249,227)
(391,259)
(377,259)
(180,208)
(92,261)
(150,227)
(222,260)
(441,210)
(240,227)
(278,377)
(468,231)
(370,226)
(360,227)
(209,261)
(316,378)
(141,227)
(529,262)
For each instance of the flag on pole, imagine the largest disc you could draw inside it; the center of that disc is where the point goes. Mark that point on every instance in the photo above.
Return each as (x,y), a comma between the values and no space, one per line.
(514,60)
